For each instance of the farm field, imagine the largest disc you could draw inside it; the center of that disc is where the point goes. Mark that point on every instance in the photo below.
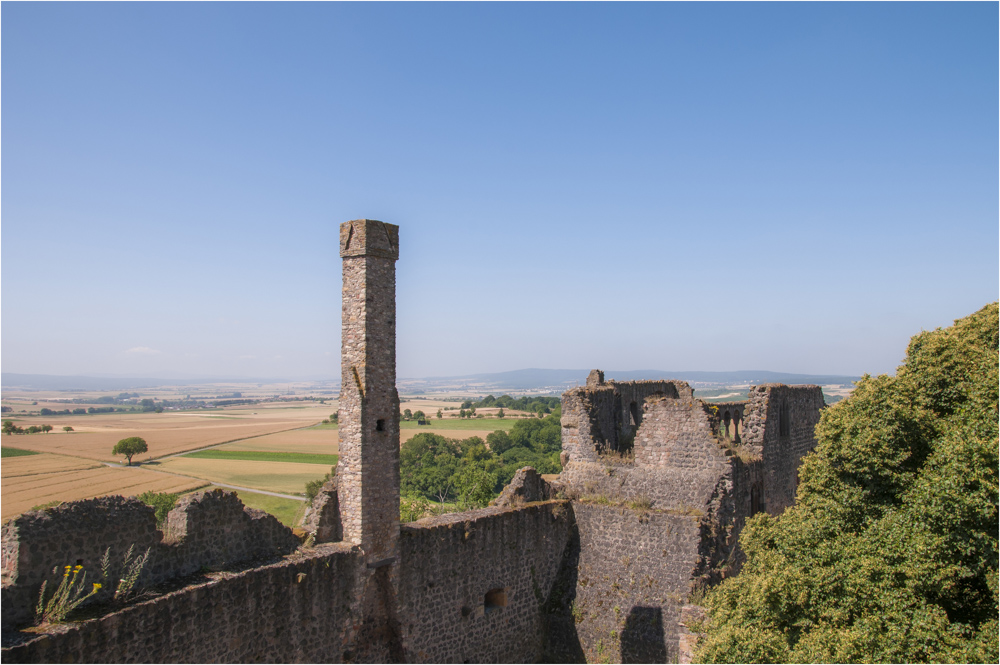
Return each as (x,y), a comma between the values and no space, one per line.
(165,433)
(321,440)
(56,478)
(264,456)
(283,477)
(467,424)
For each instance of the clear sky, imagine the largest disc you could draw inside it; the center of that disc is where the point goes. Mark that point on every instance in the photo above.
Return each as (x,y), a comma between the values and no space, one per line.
(788,187)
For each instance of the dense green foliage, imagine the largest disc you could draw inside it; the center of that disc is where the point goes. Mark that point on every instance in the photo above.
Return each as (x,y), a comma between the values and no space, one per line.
(534,404)
(15,452)
(890,552)
(265,456)
(469,472)
(130,447)
(161,502)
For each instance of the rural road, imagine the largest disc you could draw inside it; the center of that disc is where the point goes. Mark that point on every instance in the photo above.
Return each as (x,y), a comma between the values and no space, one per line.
(232,487)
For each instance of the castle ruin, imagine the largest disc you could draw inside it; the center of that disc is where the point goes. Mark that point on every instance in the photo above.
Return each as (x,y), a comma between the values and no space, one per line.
(596,566)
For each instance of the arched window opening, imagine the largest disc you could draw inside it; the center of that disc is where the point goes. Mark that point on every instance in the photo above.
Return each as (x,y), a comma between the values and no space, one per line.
(726,418)
(634,412)
(737,419)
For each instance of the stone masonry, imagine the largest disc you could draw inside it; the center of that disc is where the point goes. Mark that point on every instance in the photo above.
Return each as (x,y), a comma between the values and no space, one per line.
(598,566)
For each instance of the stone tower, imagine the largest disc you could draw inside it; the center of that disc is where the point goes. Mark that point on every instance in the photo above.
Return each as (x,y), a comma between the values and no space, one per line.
(368,470)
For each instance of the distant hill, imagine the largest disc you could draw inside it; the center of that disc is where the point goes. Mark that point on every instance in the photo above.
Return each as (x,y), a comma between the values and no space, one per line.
(520,379)
(523,379)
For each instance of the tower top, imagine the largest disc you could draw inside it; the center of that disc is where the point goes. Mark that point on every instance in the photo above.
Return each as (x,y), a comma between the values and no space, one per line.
(369,237)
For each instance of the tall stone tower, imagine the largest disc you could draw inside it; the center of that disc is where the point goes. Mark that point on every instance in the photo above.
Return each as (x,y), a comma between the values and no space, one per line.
(368,470)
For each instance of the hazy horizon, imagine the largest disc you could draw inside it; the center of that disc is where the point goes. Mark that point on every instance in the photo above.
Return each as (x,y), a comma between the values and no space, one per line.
(797,187)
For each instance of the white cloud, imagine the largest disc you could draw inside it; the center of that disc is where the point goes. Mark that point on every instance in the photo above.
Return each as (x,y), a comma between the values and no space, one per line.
(143,350)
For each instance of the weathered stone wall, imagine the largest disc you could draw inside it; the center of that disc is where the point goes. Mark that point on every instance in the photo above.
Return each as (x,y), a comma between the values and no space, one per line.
(780,422)
(205,530)
(599,419)
(295,610)
(450,564)
(630,573)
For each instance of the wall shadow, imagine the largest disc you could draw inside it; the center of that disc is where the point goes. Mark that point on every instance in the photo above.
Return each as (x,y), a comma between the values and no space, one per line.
(561,643)
(642,639)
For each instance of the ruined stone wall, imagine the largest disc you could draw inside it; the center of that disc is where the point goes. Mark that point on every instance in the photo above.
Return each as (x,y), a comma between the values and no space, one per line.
(451,564)
(295,610)
(626,580)
(205,530)
(780,422)
(598,419)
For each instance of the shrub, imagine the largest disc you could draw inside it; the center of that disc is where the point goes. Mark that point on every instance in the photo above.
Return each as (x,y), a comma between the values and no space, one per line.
(162,503)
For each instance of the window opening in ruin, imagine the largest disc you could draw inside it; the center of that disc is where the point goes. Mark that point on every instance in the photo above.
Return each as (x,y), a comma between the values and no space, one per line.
(784,426)
(726,420)
(737,419)
(379,425)
(755,499)
(634,412)
(495,599)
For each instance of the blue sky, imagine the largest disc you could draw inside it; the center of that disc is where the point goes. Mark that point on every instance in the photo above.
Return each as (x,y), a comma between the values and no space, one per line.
(789,187)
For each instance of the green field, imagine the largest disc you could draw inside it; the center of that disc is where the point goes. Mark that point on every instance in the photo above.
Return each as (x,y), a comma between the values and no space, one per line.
(479,424)
(288,511)
(324,426)
(265,456)
(15,452)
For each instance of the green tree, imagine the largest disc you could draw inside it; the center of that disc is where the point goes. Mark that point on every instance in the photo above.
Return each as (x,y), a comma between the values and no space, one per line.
(475,484)
(500,413)
(890,551)
(499,441)
(162,503)
(46,428)
(461,413)
(439,414)
(419,415)
(9,427)
(34,429)
(67,428)
(407,415)
(129,447)
(314,486)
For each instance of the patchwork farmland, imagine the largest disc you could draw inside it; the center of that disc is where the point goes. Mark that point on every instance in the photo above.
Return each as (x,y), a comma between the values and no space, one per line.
(266,452)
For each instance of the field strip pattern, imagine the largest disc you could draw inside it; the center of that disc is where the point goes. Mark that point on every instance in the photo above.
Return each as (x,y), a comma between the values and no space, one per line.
(281,477)
(21,493)
(161,442)
(33,465)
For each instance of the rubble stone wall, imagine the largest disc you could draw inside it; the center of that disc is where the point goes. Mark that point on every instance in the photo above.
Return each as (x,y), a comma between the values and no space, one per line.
(295,610)
(205,530)
(472,585)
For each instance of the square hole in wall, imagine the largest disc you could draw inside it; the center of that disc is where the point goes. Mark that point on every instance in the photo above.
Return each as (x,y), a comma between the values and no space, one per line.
(379,425)
(495,599)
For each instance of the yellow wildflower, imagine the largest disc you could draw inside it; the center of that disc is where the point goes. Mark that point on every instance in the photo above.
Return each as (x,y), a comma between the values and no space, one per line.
(96,586)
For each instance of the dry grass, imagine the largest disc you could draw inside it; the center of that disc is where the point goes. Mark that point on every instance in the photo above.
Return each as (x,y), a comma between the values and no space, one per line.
(323,441)
(22,492)
(32,465)
(165,436)
(284,477)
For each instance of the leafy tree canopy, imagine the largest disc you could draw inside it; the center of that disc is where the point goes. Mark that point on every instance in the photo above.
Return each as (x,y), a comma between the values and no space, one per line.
(890,551)
(129,447)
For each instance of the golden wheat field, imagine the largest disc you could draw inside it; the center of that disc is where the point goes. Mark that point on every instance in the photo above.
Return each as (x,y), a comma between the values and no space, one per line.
(165,434)
(23,489)
(286,477)
(295,441)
